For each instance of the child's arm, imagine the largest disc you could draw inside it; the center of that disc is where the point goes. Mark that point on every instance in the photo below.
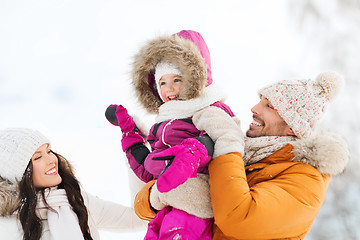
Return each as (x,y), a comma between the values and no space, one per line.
(133,142)
(136,155)
(118,116)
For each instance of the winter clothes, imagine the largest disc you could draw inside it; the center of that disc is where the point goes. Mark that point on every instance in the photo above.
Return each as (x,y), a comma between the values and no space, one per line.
(187,51)
(61,222)
(259,148)
(301,103)
(172,131)
(185,160)
(172,223)
(103,215)
(275,198)
(17,145)
(280,187)
(196,201)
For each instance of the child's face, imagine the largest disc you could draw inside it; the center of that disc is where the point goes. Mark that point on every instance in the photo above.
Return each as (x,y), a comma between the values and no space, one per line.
(170,86)
(45,168)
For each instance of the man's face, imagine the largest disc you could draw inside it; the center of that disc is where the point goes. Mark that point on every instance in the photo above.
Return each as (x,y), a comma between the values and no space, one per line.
(267,121)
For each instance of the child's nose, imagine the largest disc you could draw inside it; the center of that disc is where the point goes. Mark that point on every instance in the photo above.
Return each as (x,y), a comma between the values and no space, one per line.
(171,87)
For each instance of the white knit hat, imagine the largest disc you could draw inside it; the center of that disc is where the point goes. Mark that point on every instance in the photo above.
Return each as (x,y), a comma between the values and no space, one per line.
(17,145)
(301,103)
(163,68)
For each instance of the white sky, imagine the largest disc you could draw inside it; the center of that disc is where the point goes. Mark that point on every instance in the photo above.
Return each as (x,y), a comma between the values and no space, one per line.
(63,62)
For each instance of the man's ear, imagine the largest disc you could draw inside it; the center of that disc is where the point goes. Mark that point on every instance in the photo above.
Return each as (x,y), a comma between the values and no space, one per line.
(290,132)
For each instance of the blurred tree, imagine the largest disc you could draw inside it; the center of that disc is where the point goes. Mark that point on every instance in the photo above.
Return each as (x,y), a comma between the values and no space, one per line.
(331,29)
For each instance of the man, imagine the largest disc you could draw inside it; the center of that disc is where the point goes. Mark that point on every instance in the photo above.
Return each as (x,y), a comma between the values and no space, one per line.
(276,189)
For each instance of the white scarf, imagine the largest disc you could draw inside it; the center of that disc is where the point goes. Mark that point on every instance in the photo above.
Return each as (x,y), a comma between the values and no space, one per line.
(187,108)
(259,148)
(63,222)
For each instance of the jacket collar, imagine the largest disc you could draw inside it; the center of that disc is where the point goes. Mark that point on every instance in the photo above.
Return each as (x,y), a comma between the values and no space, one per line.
(326,152)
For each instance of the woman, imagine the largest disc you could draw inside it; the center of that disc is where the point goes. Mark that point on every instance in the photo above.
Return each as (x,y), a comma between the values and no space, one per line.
(40,198)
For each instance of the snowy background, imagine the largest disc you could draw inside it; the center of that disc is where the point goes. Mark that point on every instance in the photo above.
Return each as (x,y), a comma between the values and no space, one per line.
(63,62)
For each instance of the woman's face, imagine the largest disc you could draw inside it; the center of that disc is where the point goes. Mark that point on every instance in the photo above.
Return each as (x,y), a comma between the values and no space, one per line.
(45,168)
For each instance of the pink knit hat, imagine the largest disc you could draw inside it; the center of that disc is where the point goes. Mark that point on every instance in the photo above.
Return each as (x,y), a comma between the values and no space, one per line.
(301,103)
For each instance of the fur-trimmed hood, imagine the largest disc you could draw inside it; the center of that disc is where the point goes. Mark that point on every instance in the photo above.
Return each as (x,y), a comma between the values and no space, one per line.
(327,152)
(188,51)
(9,197)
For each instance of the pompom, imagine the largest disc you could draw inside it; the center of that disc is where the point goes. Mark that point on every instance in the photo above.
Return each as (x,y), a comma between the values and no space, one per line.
(331,82)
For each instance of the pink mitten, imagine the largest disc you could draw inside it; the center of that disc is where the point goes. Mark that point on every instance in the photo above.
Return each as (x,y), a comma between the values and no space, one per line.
(118,116)
(184,162)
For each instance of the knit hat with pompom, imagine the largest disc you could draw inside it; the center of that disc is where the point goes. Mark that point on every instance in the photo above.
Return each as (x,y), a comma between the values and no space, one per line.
(17,146)
(301,103)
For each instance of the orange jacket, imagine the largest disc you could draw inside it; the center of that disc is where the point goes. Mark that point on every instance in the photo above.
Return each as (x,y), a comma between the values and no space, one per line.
(276,199)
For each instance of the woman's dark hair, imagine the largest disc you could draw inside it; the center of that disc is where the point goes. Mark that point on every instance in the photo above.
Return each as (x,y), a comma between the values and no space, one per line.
(30,222)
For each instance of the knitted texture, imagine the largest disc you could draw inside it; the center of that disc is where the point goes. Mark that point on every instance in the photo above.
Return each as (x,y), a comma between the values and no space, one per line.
(301,103)
(163,68)
(17,145)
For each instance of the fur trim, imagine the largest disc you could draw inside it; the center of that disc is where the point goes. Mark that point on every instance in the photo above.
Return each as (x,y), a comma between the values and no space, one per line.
(327,152)
(224,130)
(179,51)
(193,197)
(9,198)
(184,109)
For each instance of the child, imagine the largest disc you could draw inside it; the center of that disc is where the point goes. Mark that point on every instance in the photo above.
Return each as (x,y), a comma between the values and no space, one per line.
(172,77)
